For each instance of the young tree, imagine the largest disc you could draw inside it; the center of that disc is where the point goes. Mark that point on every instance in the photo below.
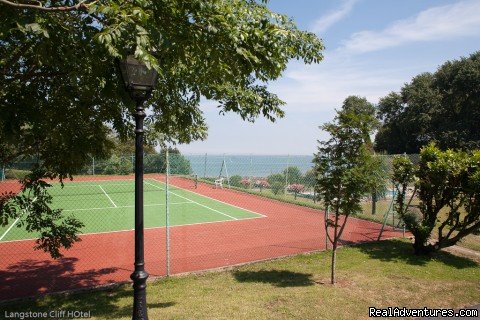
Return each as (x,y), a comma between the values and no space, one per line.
(246,182)
(261,184)
(292,174)
(345,166)
(61,95)
(448,187)
(296,188)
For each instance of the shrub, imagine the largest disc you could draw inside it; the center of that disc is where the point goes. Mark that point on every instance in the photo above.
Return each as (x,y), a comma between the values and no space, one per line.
(280,178)
(444,180)
(245,183)
(277,187)
(262,184)
(236,181)
(296,188)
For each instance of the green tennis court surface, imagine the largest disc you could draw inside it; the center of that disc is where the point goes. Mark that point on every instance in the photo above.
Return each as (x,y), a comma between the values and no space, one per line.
(106,206)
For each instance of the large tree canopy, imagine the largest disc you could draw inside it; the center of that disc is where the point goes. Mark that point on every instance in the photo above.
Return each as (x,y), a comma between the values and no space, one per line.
(443,107)
(60,85)
(60,92)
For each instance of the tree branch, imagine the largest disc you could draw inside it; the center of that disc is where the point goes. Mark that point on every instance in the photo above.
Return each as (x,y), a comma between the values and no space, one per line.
(79,6)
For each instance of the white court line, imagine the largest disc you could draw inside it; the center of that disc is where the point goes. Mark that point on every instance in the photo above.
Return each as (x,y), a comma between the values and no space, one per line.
(119,207)
(108,196)
(202,205)
(232,205)
(70,185)
(13,224)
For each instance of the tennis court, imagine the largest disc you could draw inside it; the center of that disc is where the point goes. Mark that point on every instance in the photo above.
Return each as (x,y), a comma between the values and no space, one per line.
(108,206)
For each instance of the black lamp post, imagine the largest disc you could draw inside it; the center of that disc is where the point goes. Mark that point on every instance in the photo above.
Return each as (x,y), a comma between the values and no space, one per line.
(139,82)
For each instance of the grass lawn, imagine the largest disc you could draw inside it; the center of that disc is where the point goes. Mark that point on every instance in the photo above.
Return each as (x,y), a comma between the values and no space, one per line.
(375,274)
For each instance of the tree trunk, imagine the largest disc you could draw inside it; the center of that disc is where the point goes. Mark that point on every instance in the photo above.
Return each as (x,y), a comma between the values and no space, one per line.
(420,246)
(333,278)
(374,203)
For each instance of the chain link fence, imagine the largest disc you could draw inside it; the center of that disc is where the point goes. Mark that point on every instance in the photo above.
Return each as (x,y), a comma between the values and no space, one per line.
(209,211)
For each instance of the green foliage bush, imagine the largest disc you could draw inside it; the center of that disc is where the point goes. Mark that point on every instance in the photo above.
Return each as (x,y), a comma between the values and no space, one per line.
(293,174)
(118,165)
(235,181)
(277,187)
(448,187)
(277,177)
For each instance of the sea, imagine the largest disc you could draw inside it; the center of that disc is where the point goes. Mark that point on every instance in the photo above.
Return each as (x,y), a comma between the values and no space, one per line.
(206,165)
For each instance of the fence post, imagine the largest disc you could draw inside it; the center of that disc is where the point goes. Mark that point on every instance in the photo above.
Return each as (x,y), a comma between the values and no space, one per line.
(286,174)
(167,213)
(251,170)
(93,166)
(205,167)
(2,174)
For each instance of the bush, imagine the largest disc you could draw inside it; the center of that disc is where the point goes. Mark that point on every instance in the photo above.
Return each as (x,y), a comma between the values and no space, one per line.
(280,178)
(296,188)
(293,174)
(235,181)
(277,187)
(245,182)
(118,165)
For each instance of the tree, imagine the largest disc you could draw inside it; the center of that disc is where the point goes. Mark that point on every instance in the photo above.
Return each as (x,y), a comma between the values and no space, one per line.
(292,174)
(262,184)
(277,187)
(345,166)
(441,107)
(155,163)
(61,96)
(276,177)
(309,178)
(296,188)
(127,147)
(246,182)
(178,163)
(118,165)
(448,187)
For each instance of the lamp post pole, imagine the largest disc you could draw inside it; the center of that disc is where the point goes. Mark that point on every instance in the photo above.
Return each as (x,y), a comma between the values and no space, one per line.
(139,276)
(139,82)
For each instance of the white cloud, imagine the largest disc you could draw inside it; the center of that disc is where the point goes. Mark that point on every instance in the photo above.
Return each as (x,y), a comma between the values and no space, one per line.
(437,23)
(326,21)
(322,88)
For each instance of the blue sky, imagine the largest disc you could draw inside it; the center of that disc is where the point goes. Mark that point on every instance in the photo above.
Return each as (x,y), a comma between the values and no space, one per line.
(372,47)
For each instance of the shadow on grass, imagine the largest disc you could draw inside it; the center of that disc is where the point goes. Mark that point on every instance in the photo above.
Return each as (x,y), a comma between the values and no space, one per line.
(397,250)
(106,304)
(278,278)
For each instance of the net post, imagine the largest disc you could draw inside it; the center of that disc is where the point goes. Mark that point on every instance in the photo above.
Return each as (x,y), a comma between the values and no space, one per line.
(93,166)
(2,174)
(385,217)
(251,170)
(167,213)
